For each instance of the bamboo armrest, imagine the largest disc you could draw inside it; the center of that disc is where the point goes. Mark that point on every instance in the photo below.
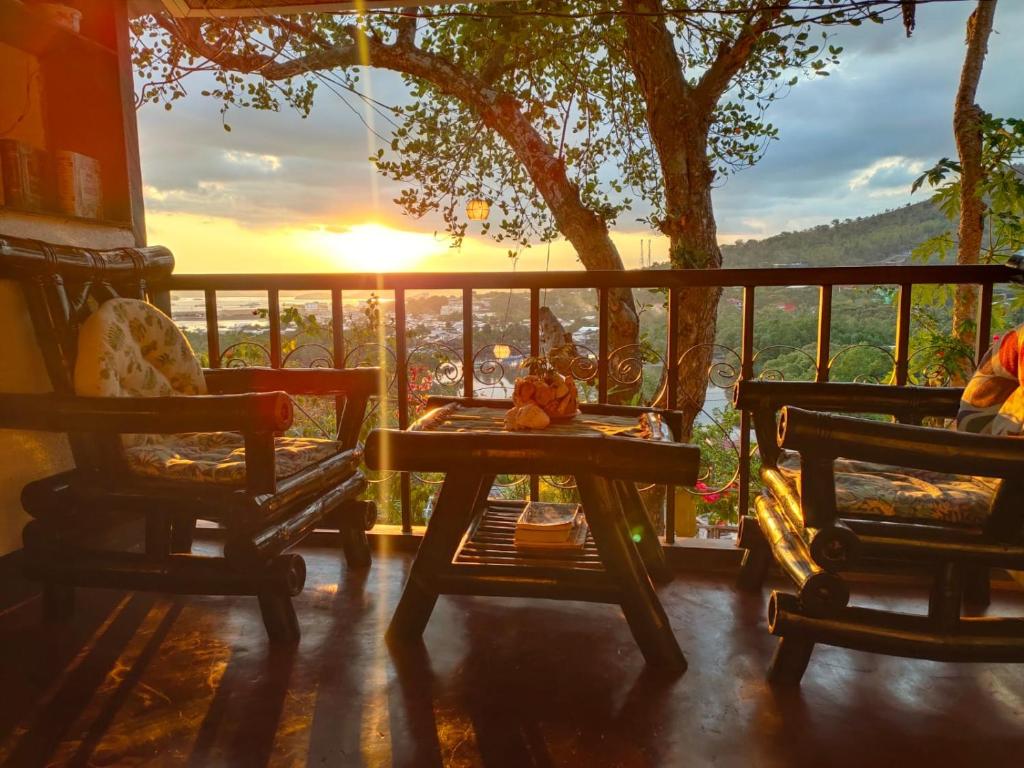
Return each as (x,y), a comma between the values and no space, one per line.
(840,397)
(251,413)
(908,404)
(352,382)
(821,436)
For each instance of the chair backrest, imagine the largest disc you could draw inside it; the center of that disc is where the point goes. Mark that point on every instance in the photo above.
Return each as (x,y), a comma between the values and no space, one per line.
(63,285)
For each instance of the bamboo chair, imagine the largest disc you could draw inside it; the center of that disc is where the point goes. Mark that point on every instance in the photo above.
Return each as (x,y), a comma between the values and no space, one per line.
(102,524)
(806,522)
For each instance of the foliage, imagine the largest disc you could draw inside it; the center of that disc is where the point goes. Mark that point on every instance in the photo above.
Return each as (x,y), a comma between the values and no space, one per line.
(718,490)
(564,64)
(863,240)
(1002,189)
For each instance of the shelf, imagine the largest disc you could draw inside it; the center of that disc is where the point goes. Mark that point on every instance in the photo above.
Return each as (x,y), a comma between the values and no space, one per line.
(492,542)
(112,223)
(29,30)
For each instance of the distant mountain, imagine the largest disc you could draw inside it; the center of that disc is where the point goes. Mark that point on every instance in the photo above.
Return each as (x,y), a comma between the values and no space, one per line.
(885,238)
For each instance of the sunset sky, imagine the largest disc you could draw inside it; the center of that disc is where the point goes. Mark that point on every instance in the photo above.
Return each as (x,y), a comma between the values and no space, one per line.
(282,194)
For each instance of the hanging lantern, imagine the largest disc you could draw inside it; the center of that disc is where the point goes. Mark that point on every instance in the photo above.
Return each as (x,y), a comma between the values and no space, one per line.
(502,351)
(477,210)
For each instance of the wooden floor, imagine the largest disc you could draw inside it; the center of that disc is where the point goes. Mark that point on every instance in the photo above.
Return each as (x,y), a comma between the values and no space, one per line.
(142,680)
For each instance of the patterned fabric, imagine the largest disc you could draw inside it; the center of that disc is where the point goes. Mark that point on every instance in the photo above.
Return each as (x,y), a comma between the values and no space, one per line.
(864,488)
(219,457)
(993,401)
(128,348)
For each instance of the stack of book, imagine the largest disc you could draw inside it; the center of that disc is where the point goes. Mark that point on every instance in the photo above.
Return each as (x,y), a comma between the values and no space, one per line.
(551,527)
(27,176)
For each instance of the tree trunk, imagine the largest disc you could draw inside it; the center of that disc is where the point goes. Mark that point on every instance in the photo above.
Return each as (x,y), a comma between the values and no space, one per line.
(693,238)
(582,227)
(679,118)
(967,131)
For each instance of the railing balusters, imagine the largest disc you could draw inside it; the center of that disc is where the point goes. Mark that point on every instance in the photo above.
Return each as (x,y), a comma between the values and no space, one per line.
(274,312)
(338,350)
(984,338)
(467,342)
(671,397)
(402,379)
(535,322)
(675,281)
(602,345)
(534,352)
(212,332)
(824,333)
(161,299)
(337,328)
(672,383)
(746,372)
(747,333)
(902,373)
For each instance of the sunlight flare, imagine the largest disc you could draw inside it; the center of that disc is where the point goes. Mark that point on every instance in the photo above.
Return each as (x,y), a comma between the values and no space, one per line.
(373,247)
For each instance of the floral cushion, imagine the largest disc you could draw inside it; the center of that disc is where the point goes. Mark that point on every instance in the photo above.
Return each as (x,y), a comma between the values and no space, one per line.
(219,457)
(128,348)
(993,400)
(864,488)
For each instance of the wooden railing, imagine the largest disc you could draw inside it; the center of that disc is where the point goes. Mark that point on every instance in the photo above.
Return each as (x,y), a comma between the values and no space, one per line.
(603,365)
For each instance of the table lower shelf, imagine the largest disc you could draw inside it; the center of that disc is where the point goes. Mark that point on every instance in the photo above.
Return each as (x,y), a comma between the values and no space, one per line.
(491,542)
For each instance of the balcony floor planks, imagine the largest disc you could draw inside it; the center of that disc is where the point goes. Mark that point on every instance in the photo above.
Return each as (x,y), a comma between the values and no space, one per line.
(142,679)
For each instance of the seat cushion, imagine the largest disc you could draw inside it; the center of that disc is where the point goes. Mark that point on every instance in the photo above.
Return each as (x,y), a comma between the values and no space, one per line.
(867,489)
(219,457)
(128,348)
(993,400)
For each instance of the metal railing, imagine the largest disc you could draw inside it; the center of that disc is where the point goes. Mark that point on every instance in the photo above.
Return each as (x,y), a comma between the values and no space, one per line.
(467,366)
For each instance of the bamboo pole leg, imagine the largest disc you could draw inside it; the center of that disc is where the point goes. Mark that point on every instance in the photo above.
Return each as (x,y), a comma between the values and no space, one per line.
(757,557)
(640,605)
(356,547)
(279,617)
(977,587)
(288,577)
(946,598)
(445,529)
(356,518)
(642,532)
(789,663)
(183,528)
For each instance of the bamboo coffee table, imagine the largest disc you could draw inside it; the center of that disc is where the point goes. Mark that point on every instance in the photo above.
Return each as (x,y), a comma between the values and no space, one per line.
(468,549)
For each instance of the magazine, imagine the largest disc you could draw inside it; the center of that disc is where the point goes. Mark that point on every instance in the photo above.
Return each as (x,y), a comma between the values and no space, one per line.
(547,516)
(573,539)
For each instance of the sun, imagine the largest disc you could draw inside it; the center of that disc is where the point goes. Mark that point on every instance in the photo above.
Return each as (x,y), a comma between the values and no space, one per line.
(373,247)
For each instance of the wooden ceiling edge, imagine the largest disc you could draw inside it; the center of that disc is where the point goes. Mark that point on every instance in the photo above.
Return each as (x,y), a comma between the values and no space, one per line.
(183,9)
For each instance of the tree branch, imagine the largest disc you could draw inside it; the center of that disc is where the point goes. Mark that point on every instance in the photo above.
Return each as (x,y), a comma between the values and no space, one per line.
(406,27)
(733,57)
(189,33)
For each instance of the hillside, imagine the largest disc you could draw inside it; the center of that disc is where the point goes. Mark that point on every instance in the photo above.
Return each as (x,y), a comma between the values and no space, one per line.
(883,238)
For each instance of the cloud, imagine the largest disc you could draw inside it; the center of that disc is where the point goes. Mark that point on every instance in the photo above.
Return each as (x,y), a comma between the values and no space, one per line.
(850,144)
(264,163)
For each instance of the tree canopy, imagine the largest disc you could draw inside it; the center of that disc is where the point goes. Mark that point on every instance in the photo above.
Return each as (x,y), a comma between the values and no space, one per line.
(567,69)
